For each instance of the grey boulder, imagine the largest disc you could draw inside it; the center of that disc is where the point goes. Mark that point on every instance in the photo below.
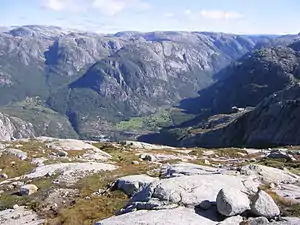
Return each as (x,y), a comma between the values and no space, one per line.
(131,184)
(231,202)
(263,205)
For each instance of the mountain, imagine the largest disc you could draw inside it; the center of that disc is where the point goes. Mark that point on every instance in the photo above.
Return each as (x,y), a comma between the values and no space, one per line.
(272,85)
(13,127)
(98,81)
(42,120)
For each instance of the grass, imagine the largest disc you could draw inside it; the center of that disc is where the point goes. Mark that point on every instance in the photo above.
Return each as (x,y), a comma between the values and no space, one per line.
(87,212)
(287,207)
(151,123)
(9,198)
(17,169)
(293,167)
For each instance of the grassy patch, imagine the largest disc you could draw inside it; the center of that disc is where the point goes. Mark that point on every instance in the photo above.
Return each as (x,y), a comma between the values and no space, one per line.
(287,207)
(10,198)
(230,152)
(152,123)
(16,169)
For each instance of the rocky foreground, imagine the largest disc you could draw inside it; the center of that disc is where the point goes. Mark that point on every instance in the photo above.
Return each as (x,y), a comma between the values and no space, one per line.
(64,181)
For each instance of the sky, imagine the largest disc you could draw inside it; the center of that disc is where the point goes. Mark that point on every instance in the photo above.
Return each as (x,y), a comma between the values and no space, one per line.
(110,16)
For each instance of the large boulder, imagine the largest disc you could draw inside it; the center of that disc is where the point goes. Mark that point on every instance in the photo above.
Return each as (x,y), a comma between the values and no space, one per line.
(269,174)
(263,205)
(131,184)
(28,189)
(192,190)
(231,202)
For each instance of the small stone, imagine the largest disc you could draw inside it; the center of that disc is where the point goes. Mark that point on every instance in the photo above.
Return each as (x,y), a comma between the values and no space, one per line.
(205,205)
(206,162)
(15,206)
(272,185)
(62,153)
(28,189)
(3,176)
(147,157)
(258,221)
(135,163)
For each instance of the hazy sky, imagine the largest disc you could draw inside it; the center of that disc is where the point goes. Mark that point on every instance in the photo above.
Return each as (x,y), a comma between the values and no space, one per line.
(233,16)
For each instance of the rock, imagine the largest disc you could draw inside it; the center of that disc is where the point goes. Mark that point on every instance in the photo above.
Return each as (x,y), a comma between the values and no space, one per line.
(206,162)
(272,185)
(191,190)
(15,206)
(12,217)
(278,154)
(135,162)
(148,157)
(71,144)
(62,153)
(269,174)
(205,205)
(263,205)
(69,173)
(235,220)
(231,202)
(290,192)
(132,184)
(3,176)
(16,152)
(188,169)
(28,189)
(12,127)
(180,216)
(258,221)
(287,221)
(146,146)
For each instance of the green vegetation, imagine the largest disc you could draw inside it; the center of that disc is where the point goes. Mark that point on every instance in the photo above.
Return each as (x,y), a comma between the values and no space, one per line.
(13,166)
(151,123)
(45,121)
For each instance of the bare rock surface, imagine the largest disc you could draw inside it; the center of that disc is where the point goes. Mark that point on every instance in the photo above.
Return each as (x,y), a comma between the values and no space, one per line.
(192,190)
(269,174)
(179,215)
(70,172)
(146,146)
(134,183)
(20,215)
(188,169)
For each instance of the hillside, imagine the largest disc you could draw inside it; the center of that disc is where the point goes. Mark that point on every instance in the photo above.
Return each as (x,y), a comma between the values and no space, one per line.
(272,86)
(98,81)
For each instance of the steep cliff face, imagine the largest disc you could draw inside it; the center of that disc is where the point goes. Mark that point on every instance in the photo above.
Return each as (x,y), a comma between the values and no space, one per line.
(249,80)
(274,120)
(12,127)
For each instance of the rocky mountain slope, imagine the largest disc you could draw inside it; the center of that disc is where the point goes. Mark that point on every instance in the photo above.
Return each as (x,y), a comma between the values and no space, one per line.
(58,181)
(98,80)
(272,84)
(13,127)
